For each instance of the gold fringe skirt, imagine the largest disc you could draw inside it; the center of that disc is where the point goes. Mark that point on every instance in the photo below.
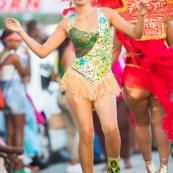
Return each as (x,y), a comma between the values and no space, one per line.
(76,83)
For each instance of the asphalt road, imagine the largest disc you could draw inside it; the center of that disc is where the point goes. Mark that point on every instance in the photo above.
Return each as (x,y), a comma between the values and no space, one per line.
(136,160)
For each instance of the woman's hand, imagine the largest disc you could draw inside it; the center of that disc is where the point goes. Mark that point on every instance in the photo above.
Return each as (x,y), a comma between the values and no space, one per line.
(13,25)
(143,7)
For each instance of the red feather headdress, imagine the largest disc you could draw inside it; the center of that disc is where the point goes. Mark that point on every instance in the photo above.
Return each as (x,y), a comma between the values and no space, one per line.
(114,4)
(159,12)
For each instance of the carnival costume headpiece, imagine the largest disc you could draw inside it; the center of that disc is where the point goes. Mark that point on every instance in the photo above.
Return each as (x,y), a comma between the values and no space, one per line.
(160,11)
(114,4)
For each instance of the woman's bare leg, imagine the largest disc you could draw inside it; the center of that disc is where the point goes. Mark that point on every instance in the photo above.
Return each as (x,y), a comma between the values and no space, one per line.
(18,125)
(9,130)
(15,128)
(82,110)
(105,107)
(124,128)
(138,102)
(15,125)
(157,113)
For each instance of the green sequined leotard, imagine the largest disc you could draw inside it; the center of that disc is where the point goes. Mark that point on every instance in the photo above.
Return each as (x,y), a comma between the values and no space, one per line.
(90,73)
(93,49)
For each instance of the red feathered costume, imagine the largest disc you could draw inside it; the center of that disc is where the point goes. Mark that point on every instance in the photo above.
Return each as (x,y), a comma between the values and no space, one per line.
(149,63)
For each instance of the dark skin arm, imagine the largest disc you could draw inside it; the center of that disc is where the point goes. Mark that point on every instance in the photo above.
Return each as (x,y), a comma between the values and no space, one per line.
(28,67)
(26,78)
(11,150)
(169,32)
(16,62)
(117,46)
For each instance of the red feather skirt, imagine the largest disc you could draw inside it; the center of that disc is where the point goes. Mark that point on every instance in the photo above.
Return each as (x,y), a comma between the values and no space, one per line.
(150,66)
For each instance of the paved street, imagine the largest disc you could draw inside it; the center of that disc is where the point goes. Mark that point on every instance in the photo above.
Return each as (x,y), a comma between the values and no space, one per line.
(137,161)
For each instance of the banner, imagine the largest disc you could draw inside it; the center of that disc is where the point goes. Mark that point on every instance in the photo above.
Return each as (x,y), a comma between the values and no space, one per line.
(37,6)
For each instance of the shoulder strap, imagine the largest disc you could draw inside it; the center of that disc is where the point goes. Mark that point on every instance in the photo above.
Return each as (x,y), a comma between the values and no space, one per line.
(71,21)
(2,59)
(101,18)
(99,12)
(5,59)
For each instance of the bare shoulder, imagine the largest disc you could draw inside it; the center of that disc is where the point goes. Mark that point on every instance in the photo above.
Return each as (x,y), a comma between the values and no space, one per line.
(13,57)
(63,25)
(15,60)
(170,22)
(168,25)
(108,13)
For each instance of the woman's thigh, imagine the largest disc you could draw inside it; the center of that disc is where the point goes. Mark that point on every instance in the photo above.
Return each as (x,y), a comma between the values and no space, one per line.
(82,110)
(68,116)
(106,109)
(123,114)
(138,101)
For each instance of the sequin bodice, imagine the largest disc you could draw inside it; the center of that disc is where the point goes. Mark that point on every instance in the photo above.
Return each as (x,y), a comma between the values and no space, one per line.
(93,49)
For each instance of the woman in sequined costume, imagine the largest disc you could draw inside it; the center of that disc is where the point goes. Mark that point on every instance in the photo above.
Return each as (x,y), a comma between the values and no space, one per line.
(89,82)
(148,78)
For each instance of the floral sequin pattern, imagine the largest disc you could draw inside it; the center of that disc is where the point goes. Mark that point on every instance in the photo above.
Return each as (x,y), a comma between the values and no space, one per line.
(93,50)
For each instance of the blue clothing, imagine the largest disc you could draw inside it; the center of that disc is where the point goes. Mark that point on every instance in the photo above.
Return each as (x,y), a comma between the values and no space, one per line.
(14,95)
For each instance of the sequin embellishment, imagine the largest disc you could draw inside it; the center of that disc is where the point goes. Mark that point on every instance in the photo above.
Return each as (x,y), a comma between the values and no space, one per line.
(93,49)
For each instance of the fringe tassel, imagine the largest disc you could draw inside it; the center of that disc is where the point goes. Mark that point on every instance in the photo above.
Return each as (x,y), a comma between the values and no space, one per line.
(74,82)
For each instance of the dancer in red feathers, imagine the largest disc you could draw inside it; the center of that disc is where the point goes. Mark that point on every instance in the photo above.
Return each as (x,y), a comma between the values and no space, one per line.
(148,77)
(147,89)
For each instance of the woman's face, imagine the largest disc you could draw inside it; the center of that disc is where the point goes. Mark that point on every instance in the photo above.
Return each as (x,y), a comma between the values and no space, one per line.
(81,2)
(12,44)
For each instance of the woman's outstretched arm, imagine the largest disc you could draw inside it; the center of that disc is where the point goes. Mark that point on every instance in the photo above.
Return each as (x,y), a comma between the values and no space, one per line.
(57,37)
(134,31)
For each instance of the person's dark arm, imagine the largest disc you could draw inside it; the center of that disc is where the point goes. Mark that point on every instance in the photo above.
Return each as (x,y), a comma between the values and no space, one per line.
(117,47)
(169,32)
(16,62)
